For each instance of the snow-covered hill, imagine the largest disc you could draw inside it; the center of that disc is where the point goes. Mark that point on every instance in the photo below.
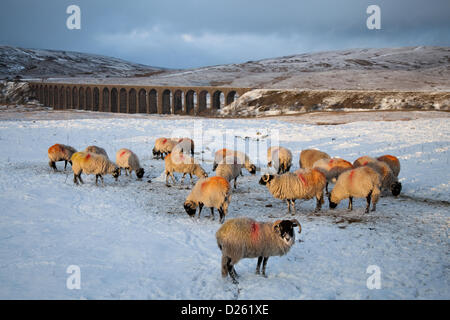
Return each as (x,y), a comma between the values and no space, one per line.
(37,63)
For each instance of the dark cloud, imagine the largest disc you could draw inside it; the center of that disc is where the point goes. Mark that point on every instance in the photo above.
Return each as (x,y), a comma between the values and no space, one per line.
(195,33)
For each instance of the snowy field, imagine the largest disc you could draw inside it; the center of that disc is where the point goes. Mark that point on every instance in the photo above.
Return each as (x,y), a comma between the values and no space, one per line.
(133,240)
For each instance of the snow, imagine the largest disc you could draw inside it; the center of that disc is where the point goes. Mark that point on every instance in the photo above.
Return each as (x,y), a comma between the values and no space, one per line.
(133,240)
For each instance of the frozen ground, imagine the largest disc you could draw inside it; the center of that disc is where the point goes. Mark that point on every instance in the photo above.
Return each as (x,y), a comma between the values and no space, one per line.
(133,240)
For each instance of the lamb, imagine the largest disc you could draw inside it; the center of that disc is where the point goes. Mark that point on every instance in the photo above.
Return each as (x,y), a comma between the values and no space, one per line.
(243,159)
(128,160)
(362,182)
(392,162)
(306,184)
(97,150)
(213,192)
(60,152)
(163,146)
(179,162)
(280,158)
(332,168)
(246,238)
(388,179)
(92,163)
(309,156)
(229,169)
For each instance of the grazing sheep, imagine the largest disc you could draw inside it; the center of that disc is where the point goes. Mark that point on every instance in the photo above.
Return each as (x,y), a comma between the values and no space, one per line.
(242,159)
(362,182)
(96,150)
(213,192)
(388,179)
(128,160)
(392,162)
(229,169)
(280,158)
(179,162)
(332,168)
(246,238)
(92,163)
(163,146)
(309,156)
(307,184)
(60,152)
(185,145)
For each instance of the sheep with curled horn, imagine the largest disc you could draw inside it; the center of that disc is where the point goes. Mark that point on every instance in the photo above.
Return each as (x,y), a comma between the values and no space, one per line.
(246,238)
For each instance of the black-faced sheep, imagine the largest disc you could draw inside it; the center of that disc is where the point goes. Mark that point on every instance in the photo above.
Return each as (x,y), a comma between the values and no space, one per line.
(179,162)
(128,160)
(362,182)
(392,162)
(91,163)
(307,184)
(280,158)
(163,146)
(246,238)
(309,156)
(60,152)
(213,192)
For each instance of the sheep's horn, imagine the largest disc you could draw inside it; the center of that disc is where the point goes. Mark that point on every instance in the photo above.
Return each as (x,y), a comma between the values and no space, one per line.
(298,224)
(276,223)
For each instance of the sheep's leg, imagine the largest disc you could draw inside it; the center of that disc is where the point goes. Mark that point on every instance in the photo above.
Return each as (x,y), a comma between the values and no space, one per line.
(319,201)
(212,212)
(173,178)
(96,179)
(289,205)
(167,178)
(326,189)
(368,198)
(258,265)
(222,215)
(79,178)
(235,182)
(350,203)
(231,271)
(293,206)
(65,165)
(200,207)
(264,266)
(101,178)
(75,180)
(182,178)
(225,266)
(52,165)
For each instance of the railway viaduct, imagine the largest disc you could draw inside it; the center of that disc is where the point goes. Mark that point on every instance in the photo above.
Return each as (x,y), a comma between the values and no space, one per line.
(134,98)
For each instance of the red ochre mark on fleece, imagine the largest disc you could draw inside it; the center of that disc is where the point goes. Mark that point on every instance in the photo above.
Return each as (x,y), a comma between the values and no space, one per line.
(122,153)
(87,156)
(55,148)
(254,231)
(352,173)
(164,141)
(301,177)
(215,182)
(365,163)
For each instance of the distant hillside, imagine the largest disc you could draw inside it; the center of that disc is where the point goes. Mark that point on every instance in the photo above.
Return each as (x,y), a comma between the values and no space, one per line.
(37,63)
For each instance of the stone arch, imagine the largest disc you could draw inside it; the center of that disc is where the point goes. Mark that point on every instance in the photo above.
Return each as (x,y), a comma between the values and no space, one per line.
(231,97)
(114,100)
(218,100)
(74,98)
(62,100)
(123,100)
(142,101)
(153,101)
(88,98)
(166,99)
(50,97)
(96,99)
(68,98)
(41,94)
(203,101)
(55,97)
(191,98)
(132,101)
(178,102)
(105,106)
(81,101)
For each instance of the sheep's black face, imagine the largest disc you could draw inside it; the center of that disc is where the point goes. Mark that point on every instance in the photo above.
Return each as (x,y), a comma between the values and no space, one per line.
(190,208)
(396,188)
(155,153)
(116,173)
(252,169)
(265,179)
(286,231)
(140,173)
(332,204)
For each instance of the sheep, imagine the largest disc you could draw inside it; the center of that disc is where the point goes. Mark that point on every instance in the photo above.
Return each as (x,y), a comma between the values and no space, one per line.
(280,158)
(60,152)
(241,238)
(332,168)
(241,156)
(179,162)
(213,192)
(388,179)
(306,184)
(184,145)
(392,162)
(309,156)
(163,146)
(229,169)
(128,160)
(97,150)
(92,163)
(362,182)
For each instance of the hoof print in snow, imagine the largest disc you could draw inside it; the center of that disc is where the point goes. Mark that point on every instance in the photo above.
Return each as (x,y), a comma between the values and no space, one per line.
(268,206)
(149,181)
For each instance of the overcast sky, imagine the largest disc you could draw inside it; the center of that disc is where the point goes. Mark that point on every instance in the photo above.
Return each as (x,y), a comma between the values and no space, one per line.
(194,33)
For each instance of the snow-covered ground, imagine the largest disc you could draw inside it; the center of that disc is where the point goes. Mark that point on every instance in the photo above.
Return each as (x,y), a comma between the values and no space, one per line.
(133,240)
